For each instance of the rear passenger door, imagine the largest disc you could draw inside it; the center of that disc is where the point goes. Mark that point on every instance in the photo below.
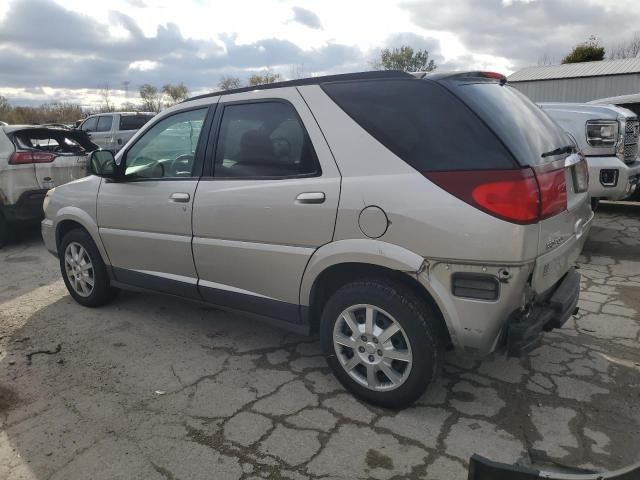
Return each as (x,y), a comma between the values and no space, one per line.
(267,202)
(103,136)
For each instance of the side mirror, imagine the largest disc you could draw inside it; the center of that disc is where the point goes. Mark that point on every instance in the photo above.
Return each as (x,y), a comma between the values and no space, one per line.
(103,164)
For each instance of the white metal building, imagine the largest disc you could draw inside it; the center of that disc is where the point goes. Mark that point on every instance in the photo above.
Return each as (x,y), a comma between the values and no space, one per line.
(579,82)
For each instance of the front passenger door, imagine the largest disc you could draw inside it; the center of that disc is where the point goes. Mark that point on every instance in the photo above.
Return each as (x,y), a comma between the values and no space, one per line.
(145,219)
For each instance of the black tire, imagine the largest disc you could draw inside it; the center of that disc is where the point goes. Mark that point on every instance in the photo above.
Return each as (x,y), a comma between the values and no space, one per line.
(421,324)
(595,203)
(4,230)
(102,292)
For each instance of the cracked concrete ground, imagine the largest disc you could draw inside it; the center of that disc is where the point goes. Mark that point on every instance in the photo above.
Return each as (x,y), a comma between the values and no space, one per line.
(157,388)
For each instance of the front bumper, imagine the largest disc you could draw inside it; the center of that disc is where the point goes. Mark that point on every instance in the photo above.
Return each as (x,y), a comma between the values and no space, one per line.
(551,310)
(49,236)
(628,177)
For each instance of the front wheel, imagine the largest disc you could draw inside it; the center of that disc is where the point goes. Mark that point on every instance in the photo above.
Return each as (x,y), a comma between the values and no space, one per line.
(382,342)
(83,270)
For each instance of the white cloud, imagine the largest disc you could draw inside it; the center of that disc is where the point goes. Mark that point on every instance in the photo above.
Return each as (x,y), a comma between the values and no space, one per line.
(79,48)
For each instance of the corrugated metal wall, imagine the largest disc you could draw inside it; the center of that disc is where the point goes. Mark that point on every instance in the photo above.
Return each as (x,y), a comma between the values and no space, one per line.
(579,89)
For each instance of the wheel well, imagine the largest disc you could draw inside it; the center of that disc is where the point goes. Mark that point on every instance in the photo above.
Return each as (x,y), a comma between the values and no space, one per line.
(334,277)
(65,227)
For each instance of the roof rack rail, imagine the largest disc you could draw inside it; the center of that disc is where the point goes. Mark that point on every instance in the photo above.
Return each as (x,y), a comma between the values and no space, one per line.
(343,77)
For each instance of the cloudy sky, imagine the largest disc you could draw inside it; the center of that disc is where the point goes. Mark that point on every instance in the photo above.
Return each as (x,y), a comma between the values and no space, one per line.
(67,50)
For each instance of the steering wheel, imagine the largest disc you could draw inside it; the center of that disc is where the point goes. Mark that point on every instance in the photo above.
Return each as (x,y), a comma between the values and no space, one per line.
(181,164)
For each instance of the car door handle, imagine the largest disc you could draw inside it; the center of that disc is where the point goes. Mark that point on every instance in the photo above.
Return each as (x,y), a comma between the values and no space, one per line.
(179,197)
(310,197)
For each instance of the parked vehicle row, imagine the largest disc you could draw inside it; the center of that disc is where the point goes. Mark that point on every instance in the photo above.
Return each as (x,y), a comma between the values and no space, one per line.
(608,137)
(344,205)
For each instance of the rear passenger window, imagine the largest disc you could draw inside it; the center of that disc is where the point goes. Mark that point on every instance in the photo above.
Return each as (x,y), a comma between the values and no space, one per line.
(263,139)
(104,123)
(133,122)
(422,123)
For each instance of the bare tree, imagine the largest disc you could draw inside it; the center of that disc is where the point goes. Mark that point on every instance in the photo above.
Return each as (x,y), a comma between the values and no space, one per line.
(175,93)
(404,58)
(546,60)
(268,76)
(151,98)
(626,49)
(105,95)
(229,83)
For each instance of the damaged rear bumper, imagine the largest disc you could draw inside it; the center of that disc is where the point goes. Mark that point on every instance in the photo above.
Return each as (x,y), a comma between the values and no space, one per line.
(524,330)
(481,468)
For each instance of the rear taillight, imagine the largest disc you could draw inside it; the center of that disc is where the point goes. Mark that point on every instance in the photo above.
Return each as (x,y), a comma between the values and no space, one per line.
(522,196)
(580,174)
(26,157)
(553,192)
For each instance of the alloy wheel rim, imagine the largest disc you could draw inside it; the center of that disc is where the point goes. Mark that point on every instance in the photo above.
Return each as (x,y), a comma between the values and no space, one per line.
(372,347)
(79,269)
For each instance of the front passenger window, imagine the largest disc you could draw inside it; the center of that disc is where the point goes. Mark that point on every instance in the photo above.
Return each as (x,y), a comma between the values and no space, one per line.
(263,139)
(168,149)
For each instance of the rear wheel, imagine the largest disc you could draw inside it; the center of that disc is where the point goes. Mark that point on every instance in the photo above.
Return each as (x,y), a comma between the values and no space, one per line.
(382,342)
(83,270)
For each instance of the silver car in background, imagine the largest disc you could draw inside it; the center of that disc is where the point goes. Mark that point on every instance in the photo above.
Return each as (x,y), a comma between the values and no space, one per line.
(397,217)
(110,131)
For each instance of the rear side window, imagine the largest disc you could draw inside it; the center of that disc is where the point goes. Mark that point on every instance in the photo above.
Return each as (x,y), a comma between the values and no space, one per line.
(104,123)
(422,123)
(520,123)
(263,139)
(133,122)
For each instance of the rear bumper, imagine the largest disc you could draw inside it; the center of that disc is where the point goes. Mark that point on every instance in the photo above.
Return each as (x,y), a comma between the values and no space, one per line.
(551,310)
(628,177)
(28,208)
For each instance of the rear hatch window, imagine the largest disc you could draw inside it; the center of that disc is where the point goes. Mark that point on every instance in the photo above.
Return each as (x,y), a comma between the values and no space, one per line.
(61,142)
(527,131)
(423,123)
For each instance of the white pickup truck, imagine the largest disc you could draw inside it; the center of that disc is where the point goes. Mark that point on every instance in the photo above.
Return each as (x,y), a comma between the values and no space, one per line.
(608,138)
(110,131)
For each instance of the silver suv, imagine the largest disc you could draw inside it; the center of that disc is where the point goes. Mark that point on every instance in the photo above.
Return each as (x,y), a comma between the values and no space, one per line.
(398,217)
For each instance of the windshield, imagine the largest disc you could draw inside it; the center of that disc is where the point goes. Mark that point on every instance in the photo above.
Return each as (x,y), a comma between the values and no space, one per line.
(524,128)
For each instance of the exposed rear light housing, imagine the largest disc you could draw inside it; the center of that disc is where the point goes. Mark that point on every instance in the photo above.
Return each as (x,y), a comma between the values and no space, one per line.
(523,196)
(25,157)
(479,286)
